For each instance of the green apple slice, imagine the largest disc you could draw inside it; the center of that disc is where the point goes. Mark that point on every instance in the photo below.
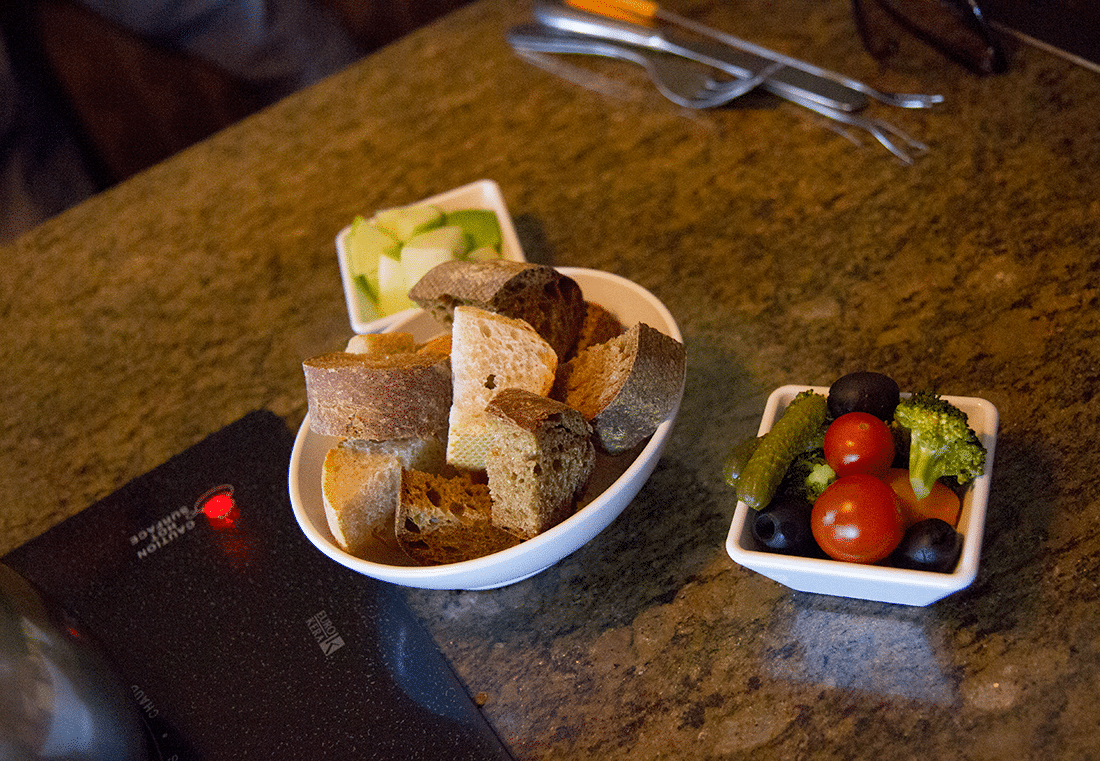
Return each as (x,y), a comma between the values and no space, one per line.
(426,250)
(403,222)
(481,225)
(364,245)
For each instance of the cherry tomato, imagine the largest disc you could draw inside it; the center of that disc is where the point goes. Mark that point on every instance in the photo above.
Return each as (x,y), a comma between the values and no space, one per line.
(858,442)
(857,519)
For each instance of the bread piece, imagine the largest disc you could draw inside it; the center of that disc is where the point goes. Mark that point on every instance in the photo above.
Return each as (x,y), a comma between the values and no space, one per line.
(426,453)
(446,520)
(381,344)
(541,458)
(626,386)
(599,325)
(490,352)
(361,491)
(549,301)
(395,396)
(440,344)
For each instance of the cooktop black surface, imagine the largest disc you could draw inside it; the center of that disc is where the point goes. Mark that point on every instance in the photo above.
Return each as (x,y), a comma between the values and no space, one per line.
(238,638)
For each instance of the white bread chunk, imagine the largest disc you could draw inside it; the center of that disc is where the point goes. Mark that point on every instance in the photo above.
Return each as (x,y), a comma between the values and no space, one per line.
(542,456)
(391,396)
(490,352)
(361,491)
(626,386)
(443,519)
(361,486)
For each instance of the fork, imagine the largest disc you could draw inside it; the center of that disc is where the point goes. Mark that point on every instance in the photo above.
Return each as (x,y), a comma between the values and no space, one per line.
(686,83)
(670,72)
(674,68)
(679,80)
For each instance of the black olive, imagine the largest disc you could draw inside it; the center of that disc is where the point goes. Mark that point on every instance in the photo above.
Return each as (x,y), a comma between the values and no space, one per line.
(929,545)
(864,391)
(784,526)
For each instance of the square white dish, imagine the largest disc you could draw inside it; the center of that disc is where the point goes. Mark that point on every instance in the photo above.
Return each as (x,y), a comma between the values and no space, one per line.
(873,582)
(616,481)
(482,194)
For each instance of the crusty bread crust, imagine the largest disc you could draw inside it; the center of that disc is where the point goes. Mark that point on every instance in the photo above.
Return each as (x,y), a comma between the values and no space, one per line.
(626,386)
(551,302)
(360,396)
(381,344)
(541,458)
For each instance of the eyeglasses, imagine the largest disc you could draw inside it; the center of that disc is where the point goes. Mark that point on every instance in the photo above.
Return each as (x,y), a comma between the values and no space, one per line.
(956,28)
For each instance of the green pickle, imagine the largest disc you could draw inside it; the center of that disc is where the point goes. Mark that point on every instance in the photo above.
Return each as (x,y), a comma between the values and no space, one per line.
(777,449)
(738,458)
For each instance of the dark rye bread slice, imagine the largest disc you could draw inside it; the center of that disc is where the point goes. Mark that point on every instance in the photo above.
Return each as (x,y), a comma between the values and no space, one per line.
(446,519)
(548,300)
(393,396)
(624,387)
(541,458)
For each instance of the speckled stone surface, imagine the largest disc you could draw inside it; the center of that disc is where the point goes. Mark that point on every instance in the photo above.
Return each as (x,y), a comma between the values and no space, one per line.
(171,305)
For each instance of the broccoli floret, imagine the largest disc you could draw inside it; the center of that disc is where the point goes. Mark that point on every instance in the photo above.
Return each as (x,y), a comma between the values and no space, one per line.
(941,442)
(807,476)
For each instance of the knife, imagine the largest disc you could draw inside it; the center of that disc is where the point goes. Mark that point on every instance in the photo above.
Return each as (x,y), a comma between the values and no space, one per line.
(804,85)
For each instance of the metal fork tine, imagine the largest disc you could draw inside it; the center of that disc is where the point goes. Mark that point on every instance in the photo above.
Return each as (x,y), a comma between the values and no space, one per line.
(877,128)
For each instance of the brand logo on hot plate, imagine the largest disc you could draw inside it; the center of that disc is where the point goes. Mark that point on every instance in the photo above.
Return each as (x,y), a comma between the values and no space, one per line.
(325,633)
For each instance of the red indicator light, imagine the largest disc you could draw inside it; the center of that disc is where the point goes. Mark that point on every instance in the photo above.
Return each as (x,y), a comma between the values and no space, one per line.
(218,507)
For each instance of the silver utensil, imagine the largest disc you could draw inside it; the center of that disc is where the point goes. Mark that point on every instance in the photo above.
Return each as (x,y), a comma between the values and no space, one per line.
(884,132)
(740,58)
(678,79)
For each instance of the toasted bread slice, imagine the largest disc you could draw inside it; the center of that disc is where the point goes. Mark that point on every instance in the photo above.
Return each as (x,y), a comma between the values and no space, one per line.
(446,520)
(599,325)
(361,491)
(549,301)
(381,344)
(541,458)
(390,396)
(626,386)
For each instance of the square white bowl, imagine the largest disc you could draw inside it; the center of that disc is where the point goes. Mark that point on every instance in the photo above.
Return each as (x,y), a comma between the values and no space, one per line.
(483,194)
(616,481)
(873,582)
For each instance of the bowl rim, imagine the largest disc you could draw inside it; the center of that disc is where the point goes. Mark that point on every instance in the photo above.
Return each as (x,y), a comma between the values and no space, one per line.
(554,544)
(984,420)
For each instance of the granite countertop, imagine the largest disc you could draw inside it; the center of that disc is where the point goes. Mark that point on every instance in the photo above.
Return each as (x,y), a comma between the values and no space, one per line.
(171,305)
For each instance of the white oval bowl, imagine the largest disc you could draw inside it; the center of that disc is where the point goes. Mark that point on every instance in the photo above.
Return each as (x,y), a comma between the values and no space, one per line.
(626,300)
